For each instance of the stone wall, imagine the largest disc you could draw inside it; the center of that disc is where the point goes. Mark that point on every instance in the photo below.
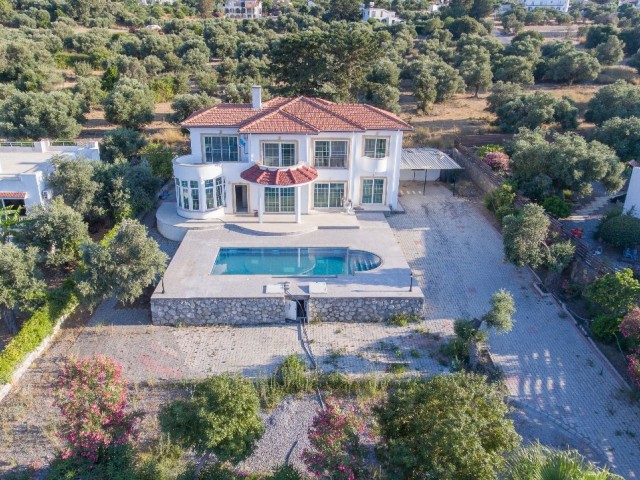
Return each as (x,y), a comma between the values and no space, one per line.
(213,311)
(361,309)
(247,311)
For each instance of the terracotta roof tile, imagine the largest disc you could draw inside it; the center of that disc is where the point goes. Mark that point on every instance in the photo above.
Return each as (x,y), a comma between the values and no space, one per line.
(280,177)
(297,115)
(13,194)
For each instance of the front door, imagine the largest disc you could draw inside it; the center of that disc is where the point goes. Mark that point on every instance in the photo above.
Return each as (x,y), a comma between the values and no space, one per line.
(291,310)
(241,198)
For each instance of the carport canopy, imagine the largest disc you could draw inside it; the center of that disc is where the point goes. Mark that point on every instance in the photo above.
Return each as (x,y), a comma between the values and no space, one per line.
(418,159)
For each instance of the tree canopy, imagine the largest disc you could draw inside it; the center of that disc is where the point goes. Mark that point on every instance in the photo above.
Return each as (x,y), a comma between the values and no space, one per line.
(619,99)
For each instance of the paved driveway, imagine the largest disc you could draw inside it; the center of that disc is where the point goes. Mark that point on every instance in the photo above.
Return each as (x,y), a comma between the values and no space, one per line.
(549,366)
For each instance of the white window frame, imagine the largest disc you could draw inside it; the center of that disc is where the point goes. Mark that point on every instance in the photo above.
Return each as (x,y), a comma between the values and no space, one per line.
(318,158)
(377,152)
(280,155)
(329,190)
(227,153)
(371,198)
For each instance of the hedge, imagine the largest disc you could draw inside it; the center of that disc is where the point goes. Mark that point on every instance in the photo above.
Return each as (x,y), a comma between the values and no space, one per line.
(621,231)
(59,303)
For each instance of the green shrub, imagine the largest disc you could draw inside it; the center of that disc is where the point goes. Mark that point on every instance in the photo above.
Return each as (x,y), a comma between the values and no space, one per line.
(59,303)
(292,375)
(620,231)
(614,293)
(604,327)
(500,201)
(483,150)
(403,319)
(556,207)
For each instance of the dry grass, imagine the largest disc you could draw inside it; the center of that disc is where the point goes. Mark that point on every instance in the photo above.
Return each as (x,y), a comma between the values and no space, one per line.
(618,72)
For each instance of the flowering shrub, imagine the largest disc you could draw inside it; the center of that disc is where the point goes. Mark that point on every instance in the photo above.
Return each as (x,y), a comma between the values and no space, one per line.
(630,324)
(497,161)
(92,397)
(634,367)
(337,453)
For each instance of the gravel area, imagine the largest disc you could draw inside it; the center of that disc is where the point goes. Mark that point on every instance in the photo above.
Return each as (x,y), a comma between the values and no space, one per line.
(285,437)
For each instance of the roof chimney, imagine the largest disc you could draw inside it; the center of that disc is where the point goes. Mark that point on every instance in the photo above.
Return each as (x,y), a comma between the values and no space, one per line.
(256,97)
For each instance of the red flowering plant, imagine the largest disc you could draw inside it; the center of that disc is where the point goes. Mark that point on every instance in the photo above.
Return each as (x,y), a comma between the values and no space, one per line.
(337,453)
(92,397)
(499,161)
(630,328)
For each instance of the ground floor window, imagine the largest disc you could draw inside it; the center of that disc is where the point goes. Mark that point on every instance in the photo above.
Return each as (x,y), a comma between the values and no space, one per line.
(279,200)
(14,203)
(328,195)
(189,194)
(372,190)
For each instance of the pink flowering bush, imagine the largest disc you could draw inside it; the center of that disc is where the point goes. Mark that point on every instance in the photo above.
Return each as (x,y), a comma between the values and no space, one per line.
(92,397)
(499,161)
(633,368)
(334,435)
(630,324)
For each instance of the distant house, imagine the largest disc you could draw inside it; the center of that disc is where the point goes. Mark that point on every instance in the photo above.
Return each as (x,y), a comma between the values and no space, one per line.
(632,200)
(24,166)
(243,9)
(385,16)
(560,5)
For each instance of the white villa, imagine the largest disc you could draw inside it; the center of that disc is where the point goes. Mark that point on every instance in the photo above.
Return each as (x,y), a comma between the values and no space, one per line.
(24,166)
(243,8)
(289,156)
(560,5)
(385,16)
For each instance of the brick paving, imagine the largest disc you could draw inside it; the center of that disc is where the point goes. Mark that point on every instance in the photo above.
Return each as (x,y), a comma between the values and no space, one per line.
(549,366)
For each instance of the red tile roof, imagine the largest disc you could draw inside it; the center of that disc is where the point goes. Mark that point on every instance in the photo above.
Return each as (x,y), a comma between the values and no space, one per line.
(13,194)
(297,115)
(280,177)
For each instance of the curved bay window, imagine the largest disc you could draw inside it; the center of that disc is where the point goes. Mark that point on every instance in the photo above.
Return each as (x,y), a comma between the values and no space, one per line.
(190,193)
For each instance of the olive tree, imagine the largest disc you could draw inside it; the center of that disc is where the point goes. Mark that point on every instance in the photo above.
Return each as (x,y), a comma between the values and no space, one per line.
(184,105)
(474,65)
(619,99)
(527,240)
(129,104)
(122,265)
(56,229)
(446,427)
(621,134)
(73,180)
(20,282)
(121,143)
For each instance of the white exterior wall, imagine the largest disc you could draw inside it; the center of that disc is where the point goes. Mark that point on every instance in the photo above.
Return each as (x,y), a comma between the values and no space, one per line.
(190,167)
(560,5)
(632,201)
(31,183)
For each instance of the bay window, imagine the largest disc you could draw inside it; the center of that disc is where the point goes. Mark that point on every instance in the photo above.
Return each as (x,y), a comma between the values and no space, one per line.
(330,154)
(375,147)
(279,154)
(189,194)
(195,195)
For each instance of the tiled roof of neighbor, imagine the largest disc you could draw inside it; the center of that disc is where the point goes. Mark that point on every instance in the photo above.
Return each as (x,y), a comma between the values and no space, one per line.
(297,115)
(280,177)
(13,194)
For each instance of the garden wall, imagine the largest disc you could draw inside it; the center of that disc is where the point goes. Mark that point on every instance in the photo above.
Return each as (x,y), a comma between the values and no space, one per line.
(253,311)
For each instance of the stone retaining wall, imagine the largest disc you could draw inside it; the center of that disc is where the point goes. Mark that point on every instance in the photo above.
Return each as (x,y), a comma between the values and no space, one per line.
(362,309)
(247,311)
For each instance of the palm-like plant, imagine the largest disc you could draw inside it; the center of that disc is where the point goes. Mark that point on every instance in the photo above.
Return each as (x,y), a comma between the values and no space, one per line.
(537,462)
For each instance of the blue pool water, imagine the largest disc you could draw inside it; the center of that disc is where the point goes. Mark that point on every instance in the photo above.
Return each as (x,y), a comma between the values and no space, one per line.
(293,261)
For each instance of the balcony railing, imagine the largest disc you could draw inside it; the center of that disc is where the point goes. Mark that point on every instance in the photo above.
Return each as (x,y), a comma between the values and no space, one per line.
(334,161)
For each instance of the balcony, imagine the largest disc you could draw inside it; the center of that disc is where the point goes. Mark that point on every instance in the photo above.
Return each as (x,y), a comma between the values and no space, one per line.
(374,165)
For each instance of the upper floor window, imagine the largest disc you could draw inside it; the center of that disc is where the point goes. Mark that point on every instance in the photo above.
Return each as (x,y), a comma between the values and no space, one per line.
(220,149)
(330,154)
(279,154)
(375,147)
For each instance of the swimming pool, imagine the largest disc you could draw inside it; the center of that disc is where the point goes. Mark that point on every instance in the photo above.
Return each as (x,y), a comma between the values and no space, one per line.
(293,261)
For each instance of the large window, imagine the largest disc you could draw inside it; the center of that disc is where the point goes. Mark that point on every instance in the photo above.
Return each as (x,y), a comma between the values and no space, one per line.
(330,154)
(372,190)
(195,194)
(279,154)
(214,192)
(328,195)
(279,200)
(220,149)
(375,147)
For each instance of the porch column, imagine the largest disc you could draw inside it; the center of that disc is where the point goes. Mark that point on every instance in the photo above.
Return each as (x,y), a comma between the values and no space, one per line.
(298,204)
(260,203)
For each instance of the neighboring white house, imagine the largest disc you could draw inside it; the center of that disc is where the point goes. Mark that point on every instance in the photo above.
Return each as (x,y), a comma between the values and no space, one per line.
(560,5)
(632,200)
(289,155)
(385,16)
(24,165)
(243,8)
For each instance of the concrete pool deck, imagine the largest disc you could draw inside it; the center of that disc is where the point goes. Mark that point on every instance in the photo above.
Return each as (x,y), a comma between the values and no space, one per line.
(190,294)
